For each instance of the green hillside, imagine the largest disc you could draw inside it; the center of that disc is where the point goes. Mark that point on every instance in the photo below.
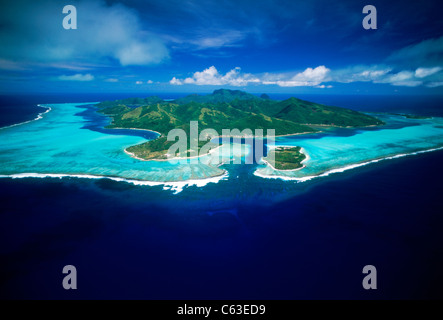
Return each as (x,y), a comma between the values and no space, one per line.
(306,112)
(285,158)
(132,102)
(224,109)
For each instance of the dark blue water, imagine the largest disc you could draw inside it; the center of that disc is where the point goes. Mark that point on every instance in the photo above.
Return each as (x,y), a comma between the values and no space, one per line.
(143,242)
(98,122)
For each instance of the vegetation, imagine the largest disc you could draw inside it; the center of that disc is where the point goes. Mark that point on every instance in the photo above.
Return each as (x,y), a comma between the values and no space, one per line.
(131,102)
(285,158)
(158,148)
(224,109)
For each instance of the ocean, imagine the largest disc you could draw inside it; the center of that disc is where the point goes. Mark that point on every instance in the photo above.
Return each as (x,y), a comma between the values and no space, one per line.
(279,242)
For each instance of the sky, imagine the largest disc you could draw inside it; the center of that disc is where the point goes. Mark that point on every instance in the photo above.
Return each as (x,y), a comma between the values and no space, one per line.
(196,46)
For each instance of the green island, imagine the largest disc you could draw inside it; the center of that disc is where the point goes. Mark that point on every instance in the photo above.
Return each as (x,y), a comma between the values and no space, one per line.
(224,109)
(285,158)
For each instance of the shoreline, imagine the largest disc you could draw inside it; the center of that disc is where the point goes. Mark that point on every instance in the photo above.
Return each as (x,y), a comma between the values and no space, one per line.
(229,136)
(207,177)
(302,150)
(257,137)
(171,159)
(220,137)
(193,157)
(118,128)
(211,179)
(39,116)
(177,186)
(342,169)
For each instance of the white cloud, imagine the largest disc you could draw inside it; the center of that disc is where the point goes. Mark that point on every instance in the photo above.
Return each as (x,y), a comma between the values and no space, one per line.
(77,77)
(209,76)
(399,77)
(106,34)
(379,74)
(388,74)
(212,77)
(359,73)
(111,80)
(403,78)
(175,81)
(371,75)
(308,78)
(424,72)
(138,82)
(149,82)
(319,77)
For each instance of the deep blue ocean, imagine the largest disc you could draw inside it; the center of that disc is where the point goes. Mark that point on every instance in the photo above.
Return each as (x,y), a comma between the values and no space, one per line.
(314,245)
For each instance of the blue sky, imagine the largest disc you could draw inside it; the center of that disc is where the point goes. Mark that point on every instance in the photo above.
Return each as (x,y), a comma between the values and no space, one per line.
(199,46)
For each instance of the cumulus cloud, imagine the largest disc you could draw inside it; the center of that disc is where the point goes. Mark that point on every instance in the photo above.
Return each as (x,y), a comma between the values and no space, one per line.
(211,76)
(320,77)
(77,77)
(175,81)
(105,34)
(308,78)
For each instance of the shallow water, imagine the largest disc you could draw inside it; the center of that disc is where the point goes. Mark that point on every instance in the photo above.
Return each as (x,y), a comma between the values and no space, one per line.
(59,143)
(341,149)
(69,139)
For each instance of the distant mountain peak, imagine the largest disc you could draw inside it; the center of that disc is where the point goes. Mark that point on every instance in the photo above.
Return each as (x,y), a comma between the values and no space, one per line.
(230,92)
(219,95)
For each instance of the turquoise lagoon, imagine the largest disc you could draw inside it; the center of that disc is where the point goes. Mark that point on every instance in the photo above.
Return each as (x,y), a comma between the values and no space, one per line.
(57,144)
(343,149)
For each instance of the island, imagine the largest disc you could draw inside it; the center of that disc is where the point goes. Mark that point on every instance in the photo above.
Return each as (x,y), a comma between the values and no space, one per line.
(226,109)
(285,158)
